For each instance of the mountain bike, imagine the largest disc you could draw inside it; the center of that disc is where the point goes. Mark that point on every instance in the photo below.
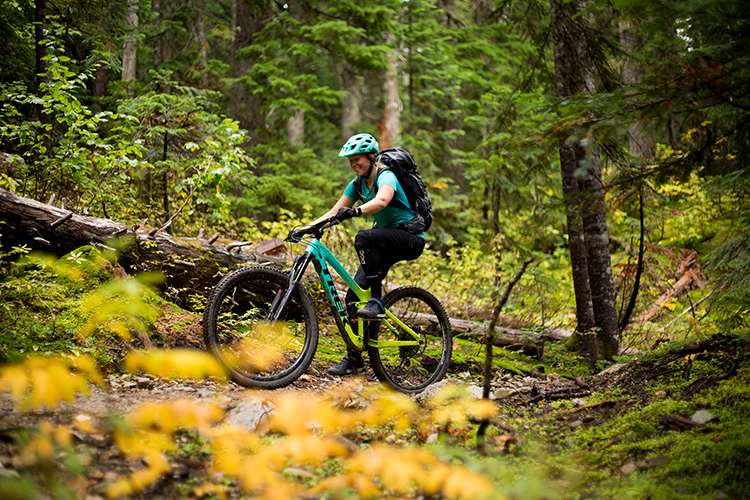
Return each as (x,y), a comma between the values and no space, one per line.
(259,310)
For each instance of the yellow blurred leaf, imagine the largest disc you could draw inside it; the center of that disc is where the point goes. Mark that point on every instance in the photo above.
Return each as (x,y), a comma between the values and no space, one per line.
(176,363)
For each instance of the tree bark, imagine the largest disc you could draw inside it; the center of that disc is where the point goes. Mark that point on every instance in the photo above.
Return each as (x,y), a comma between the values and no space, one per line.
(596,236)
(640,135)
(163,42)
(248,18)
(392,115)
(351,83)
(129,45)
(585,335)
(40,24)
(581,171)
(190,265)
(200,36)
(295,127)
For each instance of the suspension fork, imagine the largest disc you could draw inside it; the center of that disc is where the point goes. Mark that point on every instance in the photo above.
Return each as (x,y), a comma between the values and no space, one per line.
(295,276)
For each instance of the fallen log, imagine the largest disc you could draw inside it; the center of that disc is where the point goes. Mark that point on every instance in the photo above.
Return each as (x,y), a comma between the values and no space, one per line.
(530,342)
(189,265)
(465,326)
(689,278)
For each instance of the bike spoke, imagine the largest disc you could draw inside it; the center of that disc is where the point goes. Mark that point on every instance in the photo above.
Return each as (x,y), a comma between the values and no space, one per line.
(260,353)
(420,317)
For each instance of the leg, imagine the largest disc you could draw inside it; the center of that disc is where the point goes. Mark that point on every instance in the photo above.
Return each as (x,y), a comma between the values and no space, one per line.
(378,249)
(352,362)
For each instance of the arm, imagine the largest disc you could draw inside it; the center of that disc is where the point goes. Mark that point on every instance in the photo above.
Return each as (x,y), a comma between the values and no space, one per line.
(382,199)
(344,201)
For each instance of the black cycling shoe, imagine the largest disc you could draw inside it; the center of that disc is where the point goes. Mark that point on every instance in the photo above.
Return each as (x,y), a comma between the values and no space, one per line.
(373,310)
(347,367)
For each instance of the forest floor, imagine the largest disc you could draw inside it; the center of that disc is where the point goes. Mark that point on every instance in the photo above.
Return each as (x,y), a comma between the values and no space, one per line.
(654,427)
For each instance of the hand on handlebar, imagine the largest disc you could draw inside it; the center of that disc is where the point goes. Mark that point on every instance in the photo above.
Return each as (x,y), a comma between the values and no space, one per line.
(294,236)
(316,229)
(348,212)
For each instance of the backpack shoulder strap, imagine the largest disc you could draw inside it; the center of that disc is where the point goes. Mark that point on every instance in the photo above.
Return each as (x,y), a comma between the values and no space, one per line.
(394,201)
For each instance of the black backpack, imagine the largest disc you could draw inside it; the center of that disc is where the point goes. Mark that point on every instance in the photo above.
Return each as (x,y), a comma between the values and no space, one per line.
(401,162)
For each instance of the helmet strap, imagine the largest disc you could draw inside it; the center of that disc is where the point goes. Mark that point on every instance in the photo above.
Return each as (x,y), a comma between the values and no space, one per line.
(369,170)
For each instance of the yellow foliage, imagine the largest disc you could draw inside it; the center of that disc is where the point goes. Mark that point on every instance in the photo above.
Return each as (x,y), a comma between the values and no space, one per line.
(308,426)
(42,446)
(463,483)
(149,434)
(43,382)
(84,424)
(119,306)
(167,417)
(157,466)
(453,405)
(309,450)
(459,413)
(261,349)
(281,490)
(404,469)
(136,443)
(230,445)
(176,363)
(211,489)
(87,366)
(295,415)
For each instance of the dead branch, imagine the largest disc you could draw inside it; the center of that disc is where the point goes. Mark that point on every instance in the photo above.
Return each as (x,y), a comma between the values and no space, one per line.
(689,278)
(489,338)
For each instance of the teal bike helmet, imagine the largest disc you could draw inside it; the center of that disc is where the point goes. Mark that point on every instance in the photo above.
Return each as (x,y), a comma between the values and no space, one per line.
(360,143)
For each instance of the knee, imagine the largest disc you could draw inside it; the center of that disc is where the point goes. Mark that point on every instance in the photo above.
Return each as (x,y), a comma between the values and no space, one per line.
(362,240)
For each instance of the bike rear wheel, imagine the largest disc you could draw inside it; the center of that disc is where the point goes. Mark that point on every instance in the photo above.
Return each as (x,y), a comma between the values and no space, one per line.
(410,369)
(259,353)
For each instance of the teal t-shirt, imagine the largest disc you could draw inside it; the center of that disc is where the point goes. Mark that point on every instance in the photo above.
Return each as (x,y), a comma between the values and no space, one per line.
(390,216)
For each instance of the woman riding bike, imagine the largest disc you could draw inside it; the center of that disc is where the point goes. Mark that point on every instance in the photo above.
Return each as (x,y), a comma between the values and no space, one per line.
(382,246)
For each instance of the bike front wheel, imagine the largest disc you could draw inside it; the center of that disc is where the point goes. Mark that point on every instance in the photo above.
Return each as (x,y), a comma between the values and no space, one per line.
(257,352)
(411,368)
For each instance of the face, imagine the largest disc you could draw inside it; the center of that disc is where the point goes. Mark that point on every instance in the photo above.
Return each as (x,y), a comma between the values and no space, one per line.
(360,163)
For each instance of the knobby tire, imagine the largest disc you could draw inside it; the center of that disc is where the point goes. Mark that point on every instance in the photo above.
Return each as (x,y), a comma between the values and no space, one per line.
(411,369)
(257,353)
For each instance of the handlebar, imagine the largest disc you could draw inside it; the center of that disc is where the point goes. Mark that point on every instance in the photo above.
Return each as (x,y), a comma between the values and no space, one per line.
(295,235)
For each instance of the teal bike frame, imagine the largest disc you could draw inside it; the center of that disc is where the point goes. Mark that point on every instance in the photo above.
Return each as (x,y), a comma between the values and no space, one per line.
(317,253)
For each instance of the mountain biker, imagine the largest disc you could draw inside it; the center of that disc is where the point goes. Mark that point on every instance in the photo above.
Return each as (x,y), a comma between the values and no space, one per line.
(382,246)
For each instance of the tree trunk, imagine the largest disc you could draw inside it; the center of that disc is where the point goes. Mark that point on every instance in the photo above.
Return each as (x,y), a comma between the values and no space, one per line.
(42,78)
(596,236)
(202,41)
(248,18)
(392,118)
(163,42)
(100,80)
(585,334)
(129,46)
(40,24)
(640,136)
(350,82)
(295,127)
(584,196)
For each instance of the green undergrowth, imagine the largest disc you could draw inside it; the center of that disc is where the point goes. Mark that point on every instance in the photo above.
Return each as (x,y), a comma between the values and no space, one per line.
(48,305)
